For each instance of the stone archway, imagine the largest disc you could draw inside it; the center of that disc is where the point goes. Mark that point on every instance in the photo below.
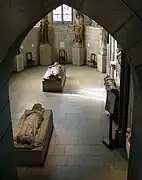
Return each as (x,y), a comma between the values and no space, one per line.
(121,18)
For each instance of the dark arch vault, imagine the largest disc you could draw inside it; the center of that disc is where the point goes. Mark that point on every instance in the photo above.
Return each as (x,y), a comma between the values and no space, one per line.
(121,18)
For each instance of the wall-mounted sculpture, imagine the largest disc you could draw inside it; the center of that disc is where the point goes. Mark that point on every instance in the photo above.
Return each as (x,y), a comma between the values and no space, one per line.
(45,48)
(79,30)
(44,31)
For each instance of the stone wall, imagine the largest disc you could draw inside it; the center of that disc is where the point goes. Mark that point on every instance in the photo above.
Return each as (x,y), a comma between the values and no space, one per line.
(31,44)
(7,165)
(112,58)
(59,34)
(64,33)
(93,37)
(87,20)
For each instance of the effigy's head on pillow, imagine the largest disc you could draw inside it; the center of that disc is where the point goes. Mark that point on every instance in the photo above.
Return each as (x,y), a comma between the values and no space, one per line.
(37,107)
(56,63)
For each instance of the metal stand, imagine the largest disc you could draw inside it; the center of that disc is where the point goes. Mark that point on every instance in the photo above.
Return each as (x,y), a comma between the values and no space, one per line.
(110,142)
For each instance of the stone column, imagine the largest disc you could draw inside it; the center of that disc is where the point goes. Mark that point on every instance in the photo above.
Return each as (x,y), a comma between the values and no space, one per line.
(101,63)
(126,99)
(78,56)
(123,102)
(18,63)
(135,160)
(7,165)
(45,55)
(122,82)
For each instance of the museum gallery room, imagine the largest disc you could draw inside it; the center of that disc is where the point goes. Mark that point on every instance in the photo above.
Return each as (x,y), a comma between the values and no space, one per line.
(58,90)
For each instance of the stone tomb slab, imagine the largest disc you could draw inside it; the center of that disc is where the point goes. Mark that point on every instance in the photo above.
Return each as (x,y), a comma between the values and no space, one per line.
(55,84)
(37,155)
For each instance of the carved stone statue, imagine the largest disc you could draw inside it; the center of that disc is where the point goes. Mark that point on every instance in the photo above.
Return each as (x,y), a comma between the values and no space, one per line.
(79,30)
(30,126)
(44,31)
(53,71)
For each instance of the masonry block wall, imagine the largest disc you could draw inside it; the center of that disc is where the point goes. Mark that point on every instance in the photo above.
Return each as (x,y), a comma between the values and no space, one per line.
(31,44)
(93,38)
(59,33)
(65,34)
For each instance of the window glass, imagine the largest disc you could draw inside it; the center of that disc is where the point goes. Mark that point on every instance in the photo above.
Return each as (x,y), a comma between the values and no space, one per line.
(62,13)
(67,13)
(57,14)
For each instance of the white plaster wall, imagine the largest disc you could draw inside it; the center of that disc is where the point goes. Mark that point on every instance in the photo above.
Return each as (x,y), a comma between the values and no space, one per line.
(93,37)
(31,44)
(58,34)
(64,33)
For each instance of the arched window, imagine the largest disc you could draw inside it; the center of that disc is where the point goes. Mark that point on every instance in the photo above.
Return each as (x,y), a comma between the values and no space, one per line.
(62,13)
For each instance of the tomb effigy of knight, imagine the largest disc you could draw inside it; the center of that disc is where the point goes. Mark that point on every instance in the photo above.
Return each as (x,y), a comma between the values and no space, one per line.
(27,133)
(53,70)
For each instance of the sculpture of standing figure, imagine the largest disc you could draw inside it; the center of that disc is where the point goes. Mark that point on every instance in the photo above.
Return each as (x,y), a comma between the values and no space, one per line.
(44,31)
(79,30)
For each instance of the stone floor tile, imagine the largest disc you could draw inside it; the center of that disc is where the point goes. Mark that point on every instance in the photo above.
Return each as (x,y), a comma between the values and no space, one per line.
(85,161)
(55,161)
(56,149)
(64,173)
(89,141)
(66,140)
(80,123)
(86,150)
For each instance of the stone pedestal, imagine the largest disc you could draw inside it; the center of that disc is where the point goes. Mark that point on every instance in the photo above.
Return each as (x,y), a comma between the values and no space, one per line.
(45,55)
(78,56)
(101,63)
(54,85)
(35,156)
(18,63)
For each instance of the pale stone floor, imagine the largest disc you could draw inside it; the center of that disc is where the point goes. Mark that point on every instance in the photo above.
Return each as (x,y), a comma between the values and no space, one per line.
(76,151)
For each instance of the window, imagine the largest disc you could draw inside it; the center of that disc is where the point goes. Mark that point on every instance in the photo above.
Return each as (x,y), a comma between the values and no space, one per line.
(62,14)
(57,14)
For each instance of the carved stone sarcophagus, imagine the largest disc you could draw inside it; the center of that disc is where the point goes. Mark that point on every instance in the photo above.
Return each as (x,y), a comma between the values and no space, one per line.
(32,136)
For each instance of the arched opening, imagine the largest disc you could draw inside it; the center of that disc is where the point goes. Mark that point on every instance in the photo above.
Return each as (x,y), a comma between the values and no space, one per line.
(118,30)
(78,112)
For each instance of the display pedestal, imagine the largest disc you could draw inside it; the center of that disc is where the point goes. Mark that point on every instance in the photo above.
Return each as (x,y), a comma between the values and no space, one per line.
(110,142)
(110,107)
(34,156)
(45,55)
(78,56)
(18,63)
(101,63)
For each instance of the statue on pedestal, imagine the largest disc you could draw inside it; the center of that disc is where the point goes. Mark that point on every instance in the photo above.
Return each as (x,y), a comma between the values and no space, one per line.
(79,30)
(44,31)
